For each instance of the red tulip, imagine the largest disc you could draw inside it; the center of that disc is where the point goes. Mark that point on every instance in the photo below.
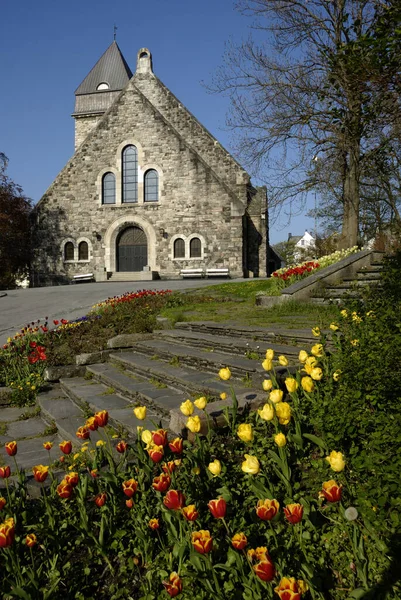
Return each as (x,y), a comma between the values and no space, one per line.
(31,540)
(83,433)
(160,437)
(5,472)
(174,500)
(66,447)
(156,453)
(64,490)
(169,467)
(121,447)
(129,503)
(190,513)
(91,423)
(176,445)
(265,569)
(239,541)
(154,523)
(72,479)
(218,508)
(100,499)
(162,482)
(202,541)
(331,491)
(11,448)
(293,513)
(173,586)
(40,473)
(7,531)
(3,502)
(102,418)
(267,509)
(129,487)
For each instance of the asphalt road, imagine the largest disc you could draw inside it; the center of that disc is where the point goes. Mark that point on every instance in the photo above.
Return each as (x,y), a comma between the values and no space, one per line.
(20,307)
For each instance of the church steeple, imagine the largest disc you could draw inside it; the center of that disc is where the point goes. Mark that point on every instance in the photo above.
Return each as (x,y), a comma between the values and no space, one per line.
(98,90)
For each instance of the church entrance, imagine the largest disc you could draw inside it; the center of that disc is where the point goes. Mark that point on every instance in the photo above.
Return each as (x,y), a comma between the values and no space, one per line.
(132,250)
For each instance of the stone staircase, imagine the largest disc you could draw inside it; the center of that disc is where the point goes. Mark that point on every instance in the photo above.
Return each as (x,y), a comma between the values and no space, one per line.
(160,372)
(365,277)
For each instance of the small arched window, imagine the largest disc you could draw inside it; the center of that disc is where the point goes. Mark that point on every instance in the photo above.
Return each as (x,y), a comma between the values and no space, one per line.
(83,251)
(69,251)
(179,248)
(109,189)
(151,186)
(130,174)
(195,248)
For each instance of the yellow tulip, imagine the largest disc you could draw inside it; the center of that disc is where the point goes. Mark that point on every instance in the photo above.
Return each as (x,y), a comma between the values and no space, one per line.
(267,364)
(146,436)
(317,350)
(291,384)
(344,313)
(98,443)
(337,375)
(270,354)
(316,373)
(194,424)
(333,326)
(245,432)
(250,465)
(140,412)
(267,385)
(316,331)
(302,357)
(283,360)
(307,384)
(187,408)
(354,342)
(215,467)
(223,396)
(280,440)
(225,374)
(283,411)
(196,471)
(276,396)
(200,403)
(336,461)
(267,412)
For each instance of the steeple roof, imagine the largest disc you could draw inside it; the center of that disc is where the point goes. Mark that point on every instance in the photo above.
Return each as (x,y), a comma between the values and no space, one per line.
(111,68)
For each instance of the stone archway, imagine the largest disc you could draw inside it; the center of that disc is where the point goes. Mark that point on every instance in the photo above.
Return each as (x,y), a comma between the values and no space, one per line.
(131,250)
(112,234)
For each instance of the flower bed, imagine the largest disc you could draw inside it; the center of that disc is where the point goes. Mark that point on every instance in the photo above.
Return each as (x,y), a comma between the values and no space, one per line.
(289,275)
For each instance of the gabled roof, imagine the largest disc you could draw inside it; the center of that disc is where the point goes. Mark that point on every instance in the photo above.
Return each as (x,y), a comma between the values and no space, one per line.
(111,68)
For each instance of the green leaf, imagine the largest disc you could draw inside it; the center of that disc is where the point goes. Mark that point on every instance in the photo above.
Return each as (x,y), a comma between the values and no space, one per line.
(358,593)
(19,592)
(316,440)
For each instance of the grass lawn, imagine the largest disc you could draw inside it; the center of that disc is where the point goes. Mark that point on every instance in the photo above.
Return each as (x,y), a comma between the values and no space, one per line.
(235,302)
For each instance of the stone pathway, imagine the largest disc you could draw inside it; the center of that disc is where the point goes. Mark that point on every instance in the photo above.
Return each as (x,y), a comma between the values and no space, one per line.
(160,372)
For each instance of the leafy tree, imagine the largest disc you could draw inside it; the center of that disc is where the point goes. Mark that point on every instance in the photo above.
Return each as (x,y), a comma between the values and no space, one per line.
(15,248)
(322,82)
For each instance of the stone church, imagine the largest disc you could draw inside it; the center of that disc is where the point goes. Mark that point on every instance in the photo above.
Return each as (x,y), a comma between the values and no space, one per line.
(149,192)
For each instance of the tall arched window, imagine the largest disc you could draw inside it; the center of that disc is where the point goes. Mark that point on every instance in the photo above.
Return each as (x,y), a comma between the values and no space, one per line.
(69,251)
(130,174)
(195,248)
(109,189)
(179,248)
(151,186)
(83,251)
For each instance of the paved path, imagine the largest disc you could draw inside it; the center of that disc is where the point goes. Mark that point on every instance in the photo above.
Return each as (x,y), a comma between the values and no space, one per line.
(20,307)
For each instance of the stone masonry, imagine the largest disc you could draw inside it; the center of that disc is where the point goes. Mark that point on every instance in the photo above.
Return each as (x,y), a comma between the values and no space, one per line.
(203,192)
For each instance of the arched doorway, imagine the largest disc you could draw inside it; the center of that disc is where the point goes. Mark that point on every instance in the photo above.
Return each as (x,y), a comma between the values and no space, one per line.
(132,250)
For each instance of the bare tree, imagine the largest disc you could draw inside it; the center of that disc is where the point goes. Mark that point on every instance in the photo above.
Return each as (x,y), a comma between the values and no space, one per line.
(308,85)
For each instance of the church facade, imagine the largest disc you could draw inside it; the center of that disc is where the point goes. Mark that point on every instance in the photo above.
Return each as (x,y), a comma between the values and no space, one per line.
(149,192)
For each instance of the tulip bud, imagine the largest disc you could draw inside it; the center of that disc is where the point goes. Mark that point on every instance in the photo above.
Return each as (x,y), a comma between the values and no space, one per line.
(245,432)
(267,412)
(267,385)
(200,403)
(218,508)
(276,396)
(187,408)
(215,467)
(225,374)
(140,412)
(280,440)
(239,541)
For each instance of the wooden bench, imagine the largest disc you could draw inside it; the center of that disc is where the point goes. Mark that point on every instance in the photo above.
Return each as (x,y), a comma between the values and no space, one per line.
(223,272)
(192,273)
(83,278)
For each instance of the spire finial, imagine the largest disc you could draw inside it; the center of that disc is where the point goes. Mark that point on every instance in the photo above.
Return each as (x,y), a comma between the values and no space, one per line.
(115,31)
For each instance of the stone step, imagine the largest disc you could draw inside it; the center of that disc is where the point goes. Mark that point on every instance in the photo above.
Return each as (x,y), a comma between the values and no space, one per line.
(189,381)
(268,336)
(93,397)
(225,344)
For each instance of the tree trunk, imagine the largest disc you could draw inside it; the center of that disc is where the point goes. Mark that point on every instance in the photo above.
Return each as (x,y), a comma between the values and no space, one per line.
(350,227)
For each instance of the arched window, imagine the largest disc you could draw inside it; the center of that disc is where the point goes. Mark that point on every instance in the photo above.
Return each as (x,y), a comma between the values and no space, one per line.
(109,189)
(195,248)
(83,251)
(69,251)
(151,186)
(130,174)
(179,248)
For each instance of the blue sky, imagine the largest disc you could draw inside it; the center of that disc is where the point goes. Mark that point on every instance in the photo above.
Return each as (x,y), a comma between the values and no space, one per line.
(47,47)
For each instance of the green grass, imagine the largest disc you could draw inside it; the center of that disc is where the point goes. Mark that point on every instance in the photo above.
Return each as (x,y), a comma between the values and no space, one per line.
(291,314)
(245,290)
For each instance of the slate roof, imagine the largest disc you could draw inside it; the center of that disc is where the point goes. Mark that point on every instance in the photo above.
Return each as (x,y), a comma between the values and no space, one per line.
(111,68)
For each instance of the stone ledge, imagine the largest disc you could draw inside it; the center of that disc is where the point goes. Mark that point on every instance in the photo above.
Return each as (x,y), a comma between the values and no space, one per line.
(56,373)
(128,340)
(5,396)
